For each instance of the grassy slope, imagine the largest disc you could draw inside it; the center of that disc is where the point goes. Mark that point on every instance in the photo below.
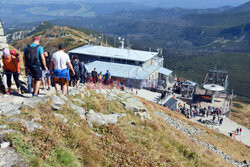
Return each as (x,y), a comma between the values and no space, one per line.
(148,143)
(50,38)
(241,113)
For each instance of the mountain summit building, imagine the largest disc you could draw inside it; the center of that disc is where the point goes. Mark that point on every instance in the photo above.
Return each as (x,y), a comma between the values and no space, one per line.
(138,69)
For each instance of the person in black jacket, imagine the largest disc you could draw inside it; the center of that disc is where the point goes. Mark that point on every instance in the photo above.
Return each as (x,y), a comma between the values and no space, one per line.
(77,68)
(83,73)
(94,75)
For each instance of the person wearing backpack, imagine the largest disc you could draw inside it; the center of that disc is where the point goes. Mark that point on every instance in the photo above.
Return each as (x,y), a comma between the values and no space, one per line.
(33,61)
(107,77)
(11,66)
(77,66)
(94,75)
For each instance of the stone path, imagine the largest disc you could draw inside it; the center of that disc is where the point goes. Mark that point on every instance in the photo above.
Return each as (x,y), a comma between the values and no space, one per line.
(229,126)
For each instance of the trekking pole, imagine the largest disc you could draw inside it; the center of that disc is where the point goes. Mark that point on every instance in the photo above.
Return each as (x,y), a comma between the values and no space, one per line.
(67,83)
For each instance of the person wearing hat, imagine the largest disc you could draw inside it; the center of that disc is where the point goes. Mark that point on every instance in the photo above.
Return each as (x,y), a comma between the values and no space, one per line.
(11,66)
(34,60)
(60,62)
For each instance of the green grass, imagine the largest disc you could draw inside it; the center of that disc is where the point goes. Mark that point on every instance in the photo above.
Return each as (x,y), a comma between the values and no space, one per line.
(242,99)
(237,105)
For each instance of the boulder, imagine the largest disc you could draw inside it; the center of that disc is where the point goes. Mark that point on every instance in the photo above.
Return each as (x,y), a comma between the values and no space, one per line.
(78,110)
(144,115)
(32,102)
(32,125)
(57,102)
(10,109)
(134,104)
(60,117)
(64,97)
(101,119)
(4,145)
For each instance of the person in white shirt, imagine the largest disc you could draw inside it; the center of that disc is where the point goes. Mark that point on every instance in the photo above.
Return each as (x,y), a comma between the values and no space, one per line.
(59,67)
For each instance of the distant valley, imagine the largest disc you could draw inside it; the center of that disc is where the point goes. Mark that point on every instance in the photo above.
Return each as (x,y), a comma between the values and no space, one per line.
(193,40)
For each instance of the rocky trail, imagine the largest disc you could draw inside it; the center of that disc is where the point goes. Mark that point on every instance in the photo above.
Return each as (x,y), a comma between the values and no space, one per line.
(228,126)
(11,106)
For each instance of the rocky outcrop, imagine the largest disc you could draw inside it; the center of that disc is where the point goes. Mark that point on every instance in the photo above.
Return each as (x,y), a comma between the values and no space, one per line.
(101,119)
(57,102)
(17,35)
(31,125)
(3,44)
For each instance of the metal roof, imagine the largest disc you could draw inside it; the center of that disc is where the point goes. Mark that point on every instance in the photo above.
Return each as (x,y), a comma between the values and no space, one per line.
(165,71)
(123,70)
(117,53)
(191,83)
(171,102)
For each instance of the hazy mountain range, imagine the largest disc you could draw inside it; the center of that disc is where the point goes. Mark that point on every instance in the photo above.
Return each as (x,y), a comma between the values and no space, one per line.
(156,3)
(193,40)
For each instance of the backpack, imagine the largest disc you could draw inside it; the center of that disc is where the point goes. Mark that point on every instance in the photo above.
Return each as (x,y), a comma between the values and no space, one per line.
(107,76)
(31,57)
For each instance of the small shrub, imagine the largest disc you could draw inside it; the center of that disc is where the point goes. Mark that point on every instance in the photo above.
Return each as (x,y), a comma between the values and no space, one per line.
(66,158)
(235,111)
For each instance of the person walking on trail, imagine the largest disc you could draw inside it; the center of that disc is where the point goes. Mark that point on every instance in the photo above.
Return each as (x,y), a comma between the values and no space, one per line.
(11,66)
(77,66)
(100,77)
(33,61)
(107,77)
(214,118)
(83,73)
(240,131)
(221,120)
(237,131)
(94,75)
(59,68)
(46,74)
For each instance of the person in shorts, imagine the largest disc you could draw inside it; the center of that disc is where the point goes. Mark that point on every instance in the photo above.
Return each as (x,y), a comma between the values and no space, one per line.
(33,61)
(60,62)
(46,78)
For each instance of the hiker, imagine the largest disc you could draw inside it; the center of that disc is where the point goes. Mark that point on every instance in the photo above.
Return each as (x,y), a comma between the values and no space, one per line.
(240,131)
(46,74)
(58,66)
(214,118)
(230,134)
(94,76)
(33,61)
(88,77)
(237,131)
(107,77)
(221,120)
(83,73)
(100,77)
(11,66)
(77,66)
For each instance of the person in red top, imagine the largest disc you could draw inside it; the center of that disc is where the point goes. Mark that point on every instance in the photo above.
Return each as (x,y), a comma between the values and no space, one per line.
(11,66)
(100,77)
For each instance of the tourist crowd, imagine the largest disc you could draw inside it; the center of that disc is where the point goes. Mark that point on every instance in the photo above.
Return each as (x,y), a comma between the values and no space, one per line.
(197,110)
(41,68)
